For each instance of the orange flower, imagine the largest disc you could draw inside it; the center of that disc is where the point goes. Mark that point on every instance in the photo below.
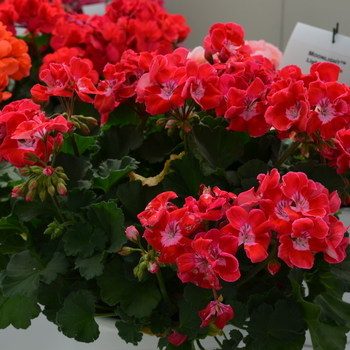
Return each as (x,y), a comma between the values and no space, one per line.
(14,59)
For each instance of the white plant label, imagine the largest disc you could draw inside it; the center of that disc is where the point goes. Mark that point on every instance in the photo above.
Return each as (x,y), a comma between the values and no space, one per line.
(309,44)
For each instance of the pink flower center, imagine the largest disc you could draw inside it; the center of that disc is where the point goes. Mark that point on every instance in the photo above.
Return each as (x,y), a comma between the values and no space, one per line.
(171,235)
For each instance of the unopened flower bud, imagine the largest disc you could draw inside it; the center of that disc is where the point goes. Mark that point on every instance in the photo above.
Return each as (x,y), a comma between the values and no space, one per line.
(42,194)
(273,266)
(132,233)
(30,195)
(51,189)
(61,187)
(33,184)
(153,267)
(18,191)
(25,171)
(36,169)
(91,121)
(126,251)
(48,171)
(139,270)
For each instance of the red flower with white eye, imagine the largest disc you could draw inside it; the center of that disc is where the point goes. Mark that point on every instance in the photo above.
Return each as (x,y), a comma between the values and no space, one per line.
(169,235)
(156,208)
(161,88)
(56,79)
(251,229)
(246,109)
(202,85)
(331,106)
(216,312)
(308,236)
(289,108)
(225,39)
(212,256)
(308,198)
(105,101)
(335,240)
(79,74)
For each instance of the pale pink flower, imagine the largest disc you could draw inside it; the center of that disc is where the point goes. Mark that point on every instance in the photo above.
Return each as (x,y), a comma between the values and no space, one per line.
(261,47)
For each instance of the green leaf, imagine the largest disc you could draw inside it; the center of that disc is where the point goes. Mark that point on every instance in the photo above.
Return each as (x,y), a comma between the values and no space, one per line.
(111,171)
(90,267)
(233,341)
(109,218)
(76,318)
(129,331)
(11,243)
(219,147)
(24,272)
(18,311)
(186,345)
(266,322)
(269,343)
(240,313)
(186,177)
(8,173)
(197,296)
(83,142)
(82,239)
(22,275)
(58,264)
(341,272)
(116,142)
(29,210)
(159,323)
(157,145)
(189,321)
(49,296)
(75,173)
(250,170)
(132,196)
(329,336)
(137,298)
(76,200)
(334,308)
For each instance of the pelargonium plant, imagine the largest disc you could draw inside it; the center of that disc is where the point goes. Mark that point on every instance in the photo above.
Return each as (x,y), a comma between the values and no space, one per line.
(180,197)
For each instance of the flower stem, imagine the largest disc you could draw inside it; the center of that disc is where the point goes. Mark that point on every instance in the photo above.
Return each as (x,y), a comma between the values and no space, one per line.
(57,205)
(74,143)
(162,288)
(217,340)
(199,344)
(287,154)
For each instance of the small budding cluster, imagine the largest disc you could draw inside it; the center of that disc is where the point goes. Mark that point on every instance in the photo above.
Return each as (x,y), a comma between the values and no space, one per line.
(148,260)
(41,182)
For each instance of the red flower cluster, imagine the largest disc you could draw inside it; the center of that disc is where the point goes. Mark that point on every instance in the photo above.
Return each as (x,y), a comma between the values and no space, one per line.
(290,218)
(243,88)
(64,80)
(140,25)
(34,15)
(27,132)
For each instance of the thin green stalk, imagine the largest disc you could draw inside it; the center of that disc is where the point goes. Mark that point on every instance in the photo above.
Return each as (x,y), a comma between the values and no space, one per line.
(74,143)
(287,154)
(199,344)
(57,205)
(185,138)
(162,288)
(218,341)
